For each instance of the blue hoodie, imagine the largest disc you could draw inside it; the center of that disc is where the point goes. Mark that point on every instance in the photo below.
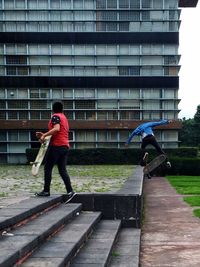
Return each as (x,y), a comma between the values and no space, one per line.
(145,129)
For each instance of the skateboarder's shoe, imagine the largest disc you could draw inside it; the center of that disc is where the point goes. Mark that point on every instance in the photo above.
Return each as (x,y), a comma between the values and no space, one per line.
(148,176)
(42,194)
(70,194)
(143,162)
(168,164)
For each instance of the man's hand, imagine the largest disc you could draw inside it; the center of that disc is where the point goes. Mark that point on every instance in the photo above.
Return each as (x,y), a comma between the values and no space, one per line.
(40,136)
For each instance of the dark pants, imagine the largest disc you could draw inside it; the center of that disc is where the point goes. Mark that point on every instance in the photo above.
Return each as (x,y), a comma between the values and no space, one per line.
(149,140)
(56,155)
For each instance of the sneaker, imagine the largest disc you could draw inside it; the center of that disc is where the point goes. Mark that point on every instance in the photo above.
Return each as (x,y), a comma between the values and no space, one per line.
(148,176)
(168,164)
(145,156)
(143,162)
(42,194)
(70,194)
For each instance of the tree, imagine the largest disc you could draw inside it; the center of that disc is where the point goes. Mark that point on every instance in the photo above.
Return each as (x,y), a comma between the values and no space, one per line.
(197,126)
(189,135)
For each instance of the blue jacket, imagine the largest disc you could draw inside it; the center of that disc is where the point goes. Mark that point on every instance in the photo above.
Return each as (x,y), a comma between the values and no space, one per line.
(146,129)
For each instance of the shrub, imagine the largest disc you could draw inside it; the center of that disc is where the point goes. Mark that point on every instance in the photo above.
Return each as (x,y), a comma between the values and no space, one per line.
(184,166)
(114,155)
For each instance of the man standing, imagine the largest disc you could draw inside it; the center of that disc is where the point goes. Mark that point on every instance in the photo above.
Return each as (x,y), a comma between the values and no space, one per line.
(148,138)
(57,153)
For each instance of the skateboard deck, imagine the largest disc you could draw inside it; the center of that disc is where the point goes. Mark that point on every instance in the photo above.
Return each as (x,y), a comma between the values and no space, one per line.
(152,165)
(40,156)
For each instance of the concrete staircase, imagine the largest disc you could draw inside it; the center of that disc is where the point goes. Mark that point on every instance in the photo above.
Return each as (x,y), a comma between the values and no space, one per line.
(95,230)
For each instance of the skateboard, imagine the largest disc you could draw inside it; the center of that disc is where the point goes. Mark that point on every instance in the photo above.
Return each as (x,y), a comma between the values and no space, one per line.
(152,165)
(40,156)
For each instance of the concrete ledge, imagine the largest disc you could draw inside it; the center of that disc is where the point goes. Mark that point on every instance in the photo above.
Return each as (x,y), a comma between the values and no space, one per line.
(125,205)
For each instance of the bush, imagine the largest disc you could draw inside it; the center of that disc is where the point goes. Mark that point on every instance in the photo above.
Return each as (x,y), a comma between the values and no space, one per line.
(184,166)
(114,155)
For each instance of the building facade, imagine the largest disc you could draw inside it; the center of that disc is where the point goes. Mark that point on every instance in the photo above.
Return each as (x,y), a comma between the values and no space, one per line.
(113,63)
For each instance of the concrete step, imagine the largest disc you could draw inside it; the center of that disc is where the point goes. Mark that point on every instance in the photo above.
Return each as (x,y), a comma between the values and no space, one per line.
(15,213)
(60,249)
(24,239)
(97,250)
(127,249)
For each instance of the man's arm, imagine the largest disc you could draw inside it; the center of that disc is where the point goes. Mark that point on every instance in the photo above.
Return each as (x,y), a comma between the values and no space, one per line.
(134,133)
(157,123)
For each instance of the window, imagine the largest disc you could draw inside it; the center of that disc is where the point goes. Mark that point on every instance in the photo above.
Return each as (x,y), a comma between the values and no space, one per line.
(17,104)
(130,71)
(124,4)
(101,4)
(146,3)
(146,15)
(107,15)
(68,104)
(23,115)
(84,104)
(111,3)
(135,3)
(2,104)
(39,105)
(107,104)
(12,115)
(16,60)
(129,104)
(170,60)
(2,93)
(80,115)
(129,15)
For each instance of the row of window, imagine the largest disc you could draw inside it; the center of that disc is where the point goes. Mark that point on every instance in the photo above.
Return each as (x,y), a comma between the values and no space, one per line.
(88,93)
(84,136)
(89,60)
(90,71)
(96,49)
(87,4)
(82,26)
(84,15)
(93,104)
(151,114)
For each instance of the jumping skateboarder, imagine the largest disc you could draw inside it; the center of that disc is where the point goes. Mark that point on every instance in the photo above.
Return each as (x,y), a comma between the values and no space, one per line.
(146,132)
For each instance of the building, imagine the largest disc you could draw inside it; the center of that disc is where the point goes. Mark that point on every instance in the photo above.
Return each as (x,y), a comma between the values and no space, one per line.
(113,63)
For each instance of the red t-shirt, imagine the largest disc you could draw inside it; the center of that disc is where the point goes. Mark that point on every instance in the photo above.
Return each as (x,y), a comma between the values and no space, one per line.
(61,138)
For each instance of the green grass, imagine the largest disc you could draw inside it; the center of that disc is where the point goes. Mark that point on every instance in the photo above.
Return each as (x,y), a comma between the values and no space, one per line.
(188,185)
(193,200)
(196,212)
(185,184)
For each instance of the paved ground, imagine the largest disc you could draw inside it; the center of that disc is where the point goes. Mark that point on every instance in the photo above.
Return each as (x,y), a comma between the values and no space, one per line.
(171,234)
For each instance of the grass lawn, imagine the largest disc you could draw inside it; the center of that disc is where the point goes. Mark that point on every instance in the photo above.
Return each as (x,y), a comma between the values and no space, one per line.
(185,185)
(188,185)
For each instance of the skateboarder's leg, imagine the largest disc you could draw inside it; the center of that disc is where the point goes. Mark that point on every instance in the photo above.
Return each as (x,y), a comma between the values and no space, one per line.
(50,161)
(144,154)
(159,150)
(155,144)
(61,163)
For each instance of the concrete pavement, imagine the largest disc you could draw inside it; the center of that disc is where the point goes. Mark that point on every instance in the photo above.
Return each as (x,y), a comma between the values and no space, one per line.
(170,233)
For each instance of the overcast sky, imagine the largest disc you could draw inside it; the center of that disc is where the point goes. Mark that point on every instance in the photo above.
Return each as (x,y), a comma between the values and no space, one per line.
(189,41)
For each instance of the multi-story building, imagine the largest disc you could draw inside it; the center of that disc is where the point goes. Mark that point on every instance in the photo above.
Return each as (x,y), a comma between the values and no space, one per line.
(113,63)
